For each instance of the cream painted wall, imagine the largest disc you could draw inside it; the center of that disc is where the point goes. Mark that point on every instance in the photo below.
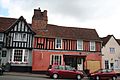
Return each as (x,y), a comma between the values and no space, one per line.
(111,57)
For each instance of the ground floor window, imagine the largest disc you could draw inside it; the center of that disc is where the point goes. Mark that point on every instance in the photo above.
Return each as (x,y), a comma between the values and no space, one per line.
(56,59)
(106,64)
(19,56)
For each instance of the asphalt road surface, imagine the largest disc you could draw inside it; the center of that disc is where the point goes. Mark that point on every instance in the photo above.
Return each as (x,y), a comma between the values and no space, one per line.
(17,77)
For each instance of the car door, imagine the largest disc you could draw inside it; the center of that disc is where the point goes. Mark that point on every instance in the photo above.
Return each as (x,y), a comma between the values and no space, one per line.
(69,72)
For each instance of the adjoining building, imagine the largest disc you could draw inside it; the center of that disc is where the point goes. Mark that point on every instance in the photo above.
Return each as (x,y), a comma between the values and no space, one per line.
(111,53)
(16,40)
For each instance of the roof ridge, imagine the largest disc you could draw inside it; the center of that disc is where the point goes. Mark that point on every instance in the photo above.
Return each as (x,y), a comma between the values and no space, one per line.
(70,27)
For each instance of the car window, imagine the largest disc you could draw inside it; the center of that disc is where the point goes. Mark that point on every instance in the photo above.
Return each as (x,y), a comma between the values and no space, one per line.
(109,70)
(61,67)
(56,67)
(68,68)
(104,70)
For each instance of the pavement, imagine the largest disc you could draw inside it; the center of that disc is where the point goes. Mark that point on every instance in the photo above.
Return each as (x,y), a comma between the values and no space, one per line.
(24,74)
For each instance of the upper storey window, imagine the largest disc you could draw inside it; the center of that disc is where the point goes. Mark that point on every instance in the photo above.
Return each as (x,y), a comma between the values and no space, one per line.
(58,43)
(112,50)
(1,36)
(79,45)
(92,46)
(20,37)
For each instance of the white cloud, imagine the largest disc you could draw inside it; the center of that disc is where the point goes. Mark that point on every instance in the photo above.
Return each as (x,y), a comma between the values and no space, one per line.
(103,15)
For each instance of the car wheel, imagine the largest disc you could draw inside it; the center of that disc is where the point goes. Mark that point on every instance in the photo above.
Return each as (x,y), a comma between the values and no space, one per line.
(113,78)
(79,77)
(55,76)
(97,78)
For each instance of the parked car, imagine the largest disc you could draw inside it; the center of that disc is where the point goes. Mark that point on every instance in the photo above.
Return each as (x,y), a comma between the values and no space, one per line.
(102,74)
(1,71)
(64,72)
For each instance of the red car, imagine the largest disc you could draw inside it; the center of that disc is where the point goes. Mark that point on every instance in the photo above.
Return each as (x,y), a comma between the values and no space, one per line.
(102,74)
(65,72)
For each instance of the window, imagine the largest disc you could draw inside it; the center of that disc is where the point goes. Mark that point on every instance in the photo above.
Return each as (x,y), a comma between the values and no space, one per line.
(20,37)
(112,50)
(79,45)
(1,36)
(92,46)
(106,64)
(19,55)
(56,60)
(4,53)
(58,43)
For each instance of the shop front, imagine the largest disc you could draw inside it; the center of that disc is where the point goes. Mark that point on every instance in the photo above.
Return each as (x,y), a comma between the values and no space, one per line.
(76,61)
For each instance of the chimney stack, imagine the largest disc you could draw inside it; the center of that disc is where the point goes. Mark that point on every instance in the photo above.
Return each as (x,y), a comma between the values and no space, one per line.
(39,19)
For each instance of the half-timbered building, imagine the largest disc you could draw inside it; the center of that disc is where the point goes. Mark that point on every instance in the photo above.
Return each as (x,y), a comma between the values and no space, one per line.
(17,43)
(60,45)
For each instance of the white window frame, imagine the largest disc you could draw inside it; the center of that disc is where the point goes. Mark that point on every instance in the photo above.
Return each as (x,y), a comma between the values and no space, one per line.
(23,56)
(19,37)
(58,43)
(54,58)
(1,36)
(112,50)
(79,44)
(92,46)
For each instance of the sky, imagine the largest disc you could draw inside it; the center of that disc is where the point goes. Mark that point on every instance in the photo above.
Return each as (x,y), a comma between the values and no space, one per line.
(102,15)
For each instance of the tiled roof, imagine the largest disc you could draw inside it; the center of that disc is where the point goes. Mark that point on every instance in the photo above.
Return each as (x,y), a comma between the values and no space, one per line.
(118,40)
(105,39)
(56,31)
(68,32)
(5,23)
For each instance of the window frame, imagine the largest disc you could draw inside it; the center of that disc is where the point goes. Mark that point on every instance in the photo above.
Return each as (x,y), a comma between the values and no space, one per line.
(112,50)
(20,37)
(53,61)
(60,44)
(1,36)
(79,44)
(23,56)
(106,64)
(92,46)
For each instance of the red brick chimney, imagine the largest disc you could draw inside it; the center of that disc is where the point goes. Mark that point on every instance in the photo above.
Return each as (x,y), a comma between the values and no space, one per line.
(39,19)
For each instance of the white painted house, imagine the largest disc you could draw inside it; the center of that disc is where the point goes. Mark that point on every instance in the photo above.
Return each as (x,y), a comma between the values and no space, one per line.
(111,53)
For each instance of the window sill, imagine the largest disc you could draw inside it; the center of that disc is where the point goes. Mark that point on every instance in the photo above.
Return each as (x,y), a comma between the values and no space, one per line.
(16,62)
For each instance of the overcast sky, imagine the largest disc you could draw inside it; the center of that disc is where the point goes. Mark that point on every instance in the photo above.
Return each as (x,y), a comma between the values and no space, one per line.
(102,15)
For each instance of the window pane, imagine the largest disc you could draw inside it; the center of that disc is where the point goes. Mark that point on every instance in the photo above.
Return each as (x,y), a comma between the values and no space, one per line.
(106,64)
(56,60)
(4,53)
(92,46)
(80,45)
(18,55)
(58,43)
(112,50)
(1,37)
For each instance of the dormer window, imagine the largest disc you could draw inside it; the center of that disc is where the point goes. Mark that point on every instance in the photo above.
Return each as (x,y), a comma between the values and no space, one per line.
(1,36)
(58,43)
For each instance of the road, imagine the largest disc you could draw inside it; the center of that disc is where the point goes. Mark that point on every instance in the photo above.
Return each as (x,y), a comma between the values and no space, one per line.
(11,77)
(20,77)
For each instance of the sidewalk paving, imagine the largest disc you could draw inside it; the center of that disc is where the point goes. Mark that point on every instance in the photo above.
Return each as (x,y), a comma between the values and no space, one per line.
(25,74)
